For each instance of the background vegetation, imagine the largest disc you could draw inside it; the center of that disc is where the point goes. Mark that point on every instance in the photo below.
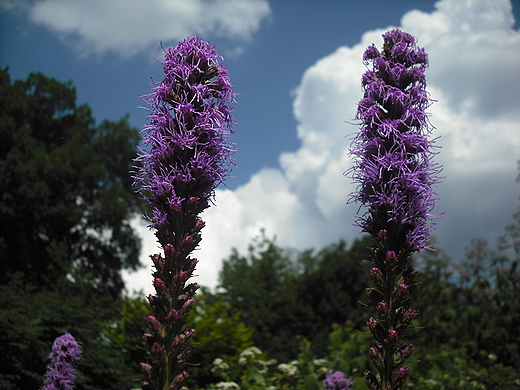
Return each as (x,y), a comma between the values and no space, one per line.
(281,318)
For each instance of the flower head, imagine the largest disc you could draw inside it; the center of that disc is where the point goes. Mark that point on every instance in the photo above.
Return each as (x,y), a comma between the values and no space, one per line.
(393,154)
(185,153)
(337,381)
(60,371)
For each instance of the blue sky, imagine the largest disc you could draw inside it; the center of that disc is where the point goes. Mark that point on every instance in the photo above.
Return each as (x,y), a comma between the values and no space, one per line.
(297,66)
(292,36)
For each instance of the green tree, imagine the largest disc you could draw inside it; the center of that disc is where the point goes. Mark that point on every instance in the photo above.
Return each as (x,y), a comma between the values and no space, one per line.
(333,292)
(66,194)
(288,295)
(261,287)
(65,204)
(469,317)
(219,334)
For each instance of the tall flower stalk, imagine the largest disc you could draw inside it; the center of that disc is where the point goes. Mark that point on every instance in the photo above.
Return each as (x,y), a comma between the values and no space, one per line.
(184,157)
(61,373)
(395,174)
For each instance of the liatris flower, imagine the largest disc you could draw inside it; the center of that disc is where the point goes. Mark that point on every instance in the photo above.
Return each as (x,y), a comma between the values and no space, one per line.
(60,371)
(337,381)
(185,157)
(395,173)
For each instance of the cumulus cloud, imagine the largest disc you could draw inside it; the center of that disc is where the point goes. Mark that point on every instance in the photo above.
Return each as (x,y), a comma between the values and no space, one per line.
(126,27)
(483,54)
(475,57)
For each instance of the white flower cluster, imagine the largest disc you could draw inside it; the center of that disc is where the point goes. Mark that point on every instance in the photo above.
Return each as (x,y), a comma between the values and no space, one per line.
(250,352)
(290,369)
(227,386)
(219,365)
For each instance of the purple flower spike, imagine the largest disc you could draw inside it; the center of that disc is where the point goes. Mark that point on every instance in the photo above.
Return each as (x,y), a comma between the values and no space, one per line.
(60,371)
(395,174)
(184,157)
(337,381)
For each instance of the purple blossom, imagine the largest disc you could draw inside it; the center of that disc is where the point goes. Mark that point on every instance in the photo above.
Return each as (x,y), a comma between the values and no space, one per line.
(184,157)
(60,370)
(395,174)
(393,154)
(337,381)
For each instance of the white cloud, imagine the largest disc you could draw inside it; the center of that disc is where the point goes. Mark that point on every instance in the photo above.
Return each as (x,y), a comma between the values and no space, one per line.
(475,57)
(474,54)
(126,27)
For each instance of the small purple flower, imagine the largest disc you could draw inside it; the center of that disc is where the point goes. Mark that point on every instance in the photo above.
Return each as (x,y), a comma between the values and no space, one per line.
(337,381)
(395,174)
(60,370)
(184,157)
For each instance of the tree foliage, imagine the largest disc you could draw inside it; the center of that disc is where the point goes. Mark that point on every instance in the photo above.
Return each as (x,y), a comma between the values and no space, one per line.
(283,293)
(65,204)
(65,191)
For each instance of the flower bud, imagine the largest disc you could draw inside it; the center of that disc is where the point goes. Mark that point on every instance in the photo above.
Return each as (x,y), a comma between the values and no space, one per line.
(158,262)
(377,329)
(399,376)
(158,351)
(147,370)
(408,316)
(374,296)
(169,250)
(401,293)
(180,378)
(392,337)
(172,316)
(376,354)
(409,275)
(371,381)
(402,354)
(391,259)
(155,324)
(382,309)
(377,277)
(188,305)
(160,287)
(382,234)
